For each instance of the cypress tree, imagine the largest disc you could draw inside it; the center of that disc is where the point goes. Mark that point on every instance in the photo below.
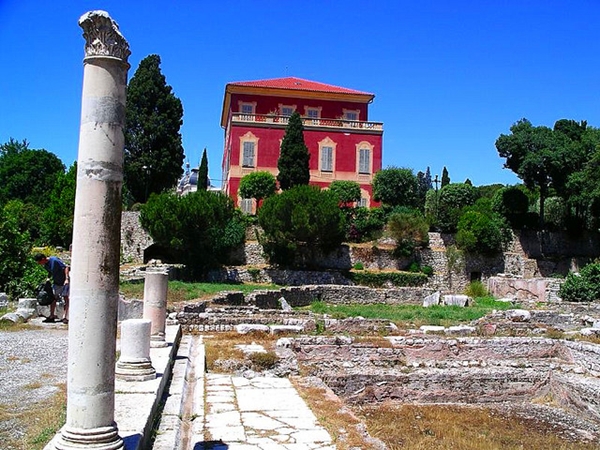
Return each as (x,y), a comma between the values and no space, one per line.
(445,177)
(294,156)
(153,149)
(203,172)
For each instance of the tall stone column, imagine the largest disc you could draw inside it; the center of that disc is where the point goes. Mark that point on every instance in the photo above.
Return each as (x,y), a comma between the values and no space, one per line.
(155,305)
(96,240)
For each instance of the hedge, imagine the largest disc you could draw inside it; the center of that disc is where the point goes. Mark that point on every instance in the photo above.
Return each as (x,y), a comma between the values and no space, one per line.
(380,279)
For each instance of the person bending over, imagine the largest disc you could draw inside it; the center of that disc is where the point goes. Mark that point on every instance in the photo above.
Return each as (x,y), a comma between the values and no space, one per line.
(59,273)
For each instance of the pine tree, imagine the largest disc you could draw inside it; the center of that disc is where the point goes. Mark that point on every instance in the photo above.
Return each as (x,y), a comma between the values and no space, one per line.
(445,177)
(203,172)
(153,148)
(294,156)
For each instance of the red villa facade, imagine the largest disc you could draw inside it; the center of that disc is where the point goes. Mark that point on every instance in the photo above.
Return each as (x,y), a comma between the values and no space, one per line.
(342,142)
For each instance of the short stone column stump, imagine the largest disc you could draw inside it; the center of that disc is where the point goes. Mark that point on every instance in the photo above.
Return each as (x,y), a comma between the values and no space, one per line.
(134,364)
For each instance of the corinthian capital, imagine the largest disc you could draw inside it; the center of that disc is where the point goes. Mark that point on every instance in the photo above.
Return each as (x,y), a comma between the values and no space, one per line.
(102,36)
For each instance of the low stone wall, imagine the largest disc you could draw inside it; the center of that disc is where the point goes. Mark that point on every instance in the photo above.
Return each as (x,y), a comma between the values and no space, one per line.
(297,296)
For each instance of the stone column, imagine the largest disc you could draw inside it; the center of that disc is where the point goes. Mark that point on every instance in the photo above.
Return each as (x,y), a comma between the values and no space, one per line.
(96,240)
(134,364)
(155,306)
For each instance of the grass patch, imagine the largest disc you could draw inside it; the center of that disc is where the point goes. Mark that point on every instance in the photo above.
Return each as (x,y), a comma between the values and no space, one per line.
(180,291)
(440,427)
(37,423)
(414,314)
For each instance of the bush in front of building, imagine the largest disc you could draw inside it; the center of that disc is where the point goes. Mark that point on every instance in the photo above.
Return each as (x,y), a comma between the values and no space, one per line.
(198,229)
(583,286)
(299,224)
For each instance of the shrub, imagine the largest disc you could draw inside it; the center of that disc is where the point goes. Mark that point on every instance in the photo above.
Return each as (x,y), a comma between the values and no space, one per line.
(410,230)
(198,229)
(444,207)
(347,192)
(476,289)
(358,266)
(263,360)
(582,287)
(365,224)
(15,249)
(479,233)
(300,223)
(427,270)
(379,279)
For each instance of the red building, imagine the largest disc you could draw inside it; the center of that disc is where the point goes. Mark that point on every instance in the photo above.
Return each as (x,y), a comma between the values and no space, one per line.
(342,142)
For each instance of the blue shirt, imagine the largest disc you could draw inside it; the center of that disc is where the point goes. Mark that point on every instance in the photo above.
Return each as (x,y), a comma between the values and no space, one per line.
(56,269)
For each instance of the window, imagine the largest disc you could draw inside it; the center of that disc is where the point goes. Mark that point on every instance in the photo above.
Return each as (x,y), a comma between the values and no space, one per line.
(247,108)
(364,160)
(327,156)
(246,205)
(362,203)
(312,113)
(350,114)
(287,110)
(248,154)
(327,159)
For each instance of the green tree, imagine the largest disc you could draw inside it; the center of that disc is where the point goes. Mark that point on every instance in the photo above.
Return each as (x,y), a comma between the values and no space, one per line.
(294,157)
(450,202)
(299,224)
(198,229)
(27,217)
(347,192)
(15,248)
(409,229)
(395,186)
(480,230)
(538,156)
(424,184)
(153,149)
(57,226)
(511,203)
(27,174)
(445,177)
(203,172)
(258,185)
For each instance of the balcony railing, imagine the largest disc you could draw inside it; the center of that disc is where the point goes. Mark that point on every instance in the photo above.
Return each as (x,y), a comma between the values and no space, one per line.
(308,122)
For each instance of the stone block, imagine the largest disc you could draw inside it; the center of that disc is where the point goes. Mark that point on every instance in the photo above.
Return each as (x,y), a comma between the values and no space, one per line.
(433,299)
(456,300)
(281,329)
(518,315)
(432,329)
(245,328)
(3,300)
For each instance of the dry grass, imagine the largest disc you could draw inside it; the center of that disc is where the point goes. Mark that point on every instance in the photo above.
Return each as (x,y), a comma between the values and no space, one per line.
(222,346)
(37,424)
(441,427)
(338,420)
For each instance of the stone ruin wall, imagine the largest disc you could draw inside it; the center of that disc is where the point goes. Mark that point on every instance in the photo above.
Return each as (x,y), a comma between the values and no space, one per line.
(529,255)
(465,370)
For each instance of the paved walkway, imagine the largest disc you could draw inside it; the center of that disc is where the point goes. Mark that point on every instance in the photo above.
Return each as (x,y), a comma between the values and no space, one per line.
(218,411)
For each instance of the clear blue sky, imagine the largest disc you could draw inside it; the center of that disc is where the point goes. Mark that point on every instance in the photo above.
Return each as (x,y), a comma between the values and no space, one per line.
(448,76)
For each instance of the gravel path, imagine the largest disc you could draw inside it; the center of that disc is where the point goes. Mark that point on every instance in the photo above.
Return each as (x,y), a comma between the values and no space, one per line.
(33,362)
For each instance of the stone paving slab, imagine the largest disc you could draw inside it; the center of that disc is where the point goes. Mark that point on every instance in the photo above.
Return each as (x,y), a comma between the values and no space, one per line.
(263,414)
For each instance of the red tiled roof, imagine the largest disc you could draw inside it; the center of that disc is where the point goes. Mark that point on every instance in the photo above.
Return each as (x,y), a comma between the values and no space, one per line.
(299,84)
